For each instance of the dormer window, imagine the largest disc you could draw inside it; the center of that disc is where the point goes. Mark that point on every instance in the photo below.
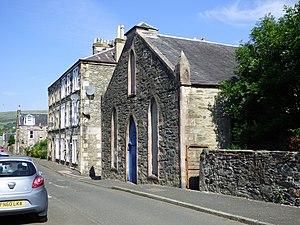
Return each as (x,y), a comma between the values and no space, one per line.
(29,120)
(131,74)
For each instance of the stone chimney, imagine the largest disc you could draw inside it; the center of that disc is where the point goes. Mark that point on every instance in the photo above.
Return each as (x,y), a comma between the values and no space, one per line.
(143,28)
(119,42)
(100,45)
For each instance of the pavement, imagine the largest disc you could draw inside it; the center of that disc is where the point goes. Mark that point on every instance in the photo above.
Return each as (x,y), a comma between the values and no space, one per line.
(235,208)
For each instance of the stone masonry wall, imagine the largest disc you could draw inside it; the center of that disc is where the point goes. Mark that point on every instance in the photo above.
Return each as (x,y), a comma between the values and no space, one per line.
(99,76)
(272,176)
(204,124)
(153,80)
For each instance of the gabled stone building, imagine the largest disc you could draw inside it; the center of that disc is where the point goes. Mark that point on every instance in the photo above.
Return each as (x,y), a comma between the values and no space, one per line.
(74,100)
(31,128)
(160,108)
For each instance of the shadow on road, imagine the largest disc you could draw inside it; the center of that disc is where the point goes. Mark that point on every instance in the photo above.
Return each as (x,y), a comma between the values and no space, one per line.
(19,220)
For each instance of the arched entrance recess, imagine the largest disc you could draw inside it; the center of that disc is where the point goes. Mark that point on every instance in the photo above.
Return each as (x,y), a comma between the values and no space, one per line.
(132,169)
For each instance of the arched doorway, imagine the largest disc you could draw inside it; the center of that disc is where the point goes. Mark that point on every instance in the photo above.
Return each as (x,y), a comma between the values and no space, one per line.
(132,169)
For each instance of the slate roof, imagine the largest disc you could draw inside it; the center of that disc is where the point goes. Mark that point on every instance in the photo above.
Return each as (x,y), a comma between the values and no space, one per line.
(40,118)
(103,56)
(210,62)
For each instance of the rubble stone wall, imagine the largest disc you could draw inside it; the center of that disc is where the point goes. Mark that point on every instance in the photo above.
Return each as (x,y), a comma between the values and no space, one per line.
(272,176)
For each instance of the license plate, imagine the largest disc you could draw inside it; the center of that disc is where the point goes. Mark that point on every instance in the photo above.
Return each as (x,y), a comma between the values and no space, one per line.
(12,204)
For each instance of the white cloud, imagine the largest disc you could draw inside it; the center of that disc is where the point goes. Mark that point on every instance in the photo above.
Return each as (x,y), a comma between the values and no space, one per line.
(9,93)
(241,13)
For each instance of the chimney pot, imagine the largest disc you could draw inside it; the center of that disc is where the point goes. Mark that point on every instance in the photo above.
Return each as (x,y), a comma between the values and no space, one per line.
(122,31)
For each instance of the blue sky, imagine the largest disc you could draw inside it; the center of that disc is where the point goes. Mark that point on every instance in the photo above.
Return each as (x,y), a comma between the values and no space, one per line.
(41,39)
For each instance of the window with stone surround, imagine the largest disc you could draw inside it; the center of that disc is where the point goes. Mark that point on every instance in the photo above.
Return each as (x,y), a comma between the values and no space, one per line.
(131,74)
(56,148)
(153,139)
(62,116)
(67,144)
(75,79)
(75,107)
(57,95)
(31,134)
(74,151)
(63,87)
(62,149)
(68,114)
(68,84)
(114,140)
(56,123)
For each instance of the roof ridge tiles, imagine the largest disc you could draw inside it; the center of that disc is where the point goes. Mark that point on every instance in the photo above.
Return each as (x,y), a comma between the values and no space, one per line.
(196,40)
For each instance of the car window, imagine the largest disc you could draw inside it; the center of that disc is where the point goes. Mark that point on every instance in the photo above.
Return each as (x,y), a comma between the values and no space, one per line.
(16,168)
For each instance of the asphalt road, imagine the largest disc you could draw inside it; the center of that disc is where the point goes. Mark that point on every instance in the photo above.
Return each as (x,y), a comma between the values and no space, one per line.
(72,202)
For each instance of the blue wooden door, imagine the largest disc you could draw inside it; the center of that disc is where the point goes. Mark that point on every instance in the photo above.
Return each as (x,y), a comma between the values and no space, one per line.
(132,152)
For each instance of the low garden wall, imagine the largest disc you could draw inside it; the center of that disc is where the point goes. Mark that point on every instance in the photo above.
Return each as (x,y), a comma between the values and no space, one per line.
(272,176)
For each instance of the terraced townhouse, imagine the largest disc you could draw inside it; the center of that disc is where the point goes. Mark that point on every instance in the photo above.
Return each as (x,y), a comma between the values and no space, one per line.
(74,100)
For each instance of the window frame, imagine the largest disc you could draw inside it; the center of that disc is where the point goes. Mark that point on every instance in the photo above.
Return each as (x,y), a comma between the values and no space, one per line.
(131,80)
(68,84)
(75,113)
(63,116)
(29,120)
(74,152)
(114,140)
(67,109)
(31,134)
(75,79)
(63,87)
(154,172)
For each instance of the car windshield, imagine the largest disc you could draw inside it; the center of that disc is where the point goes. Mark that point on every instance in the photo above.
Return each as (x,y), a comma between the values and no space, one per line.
(16,168)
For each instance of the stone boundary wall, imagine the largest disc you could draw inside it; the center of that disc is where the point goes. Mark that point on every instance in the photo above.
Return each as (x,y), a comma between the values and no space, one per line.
(272,176)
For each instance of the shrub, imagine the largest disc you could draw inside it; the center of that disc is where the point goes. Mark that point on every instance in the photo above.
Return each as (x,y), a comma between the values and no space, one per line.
(39,150)
(295,140)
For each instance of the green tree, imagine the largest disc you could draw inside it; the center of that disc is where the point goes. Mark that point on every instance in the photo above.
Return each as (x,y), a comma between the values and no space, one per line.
(264,100)
(11,140)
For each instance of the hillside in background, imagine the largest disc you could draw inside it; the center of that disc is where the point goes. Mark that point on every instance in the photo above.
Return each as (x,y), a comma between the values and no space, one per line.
(8,119)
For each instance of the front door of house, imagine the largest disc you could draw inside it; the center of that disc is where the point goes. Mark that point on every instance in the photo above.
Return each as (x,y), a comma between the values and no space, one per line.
(132,153)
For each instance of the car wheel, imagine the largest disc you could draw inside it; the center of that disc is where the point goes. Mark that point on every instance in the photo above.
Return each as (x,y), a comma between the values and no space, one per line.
(42,218)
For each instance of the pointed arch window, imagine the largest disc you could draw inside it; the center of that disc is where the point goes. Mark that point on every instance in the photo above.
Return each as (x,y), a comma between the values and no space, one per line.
(131,74)
(153,143)
(114,140)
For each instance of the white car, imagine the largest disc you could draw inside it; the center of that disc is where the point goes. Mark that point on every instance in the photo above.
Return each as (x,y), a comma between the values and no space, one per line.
(22,188)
